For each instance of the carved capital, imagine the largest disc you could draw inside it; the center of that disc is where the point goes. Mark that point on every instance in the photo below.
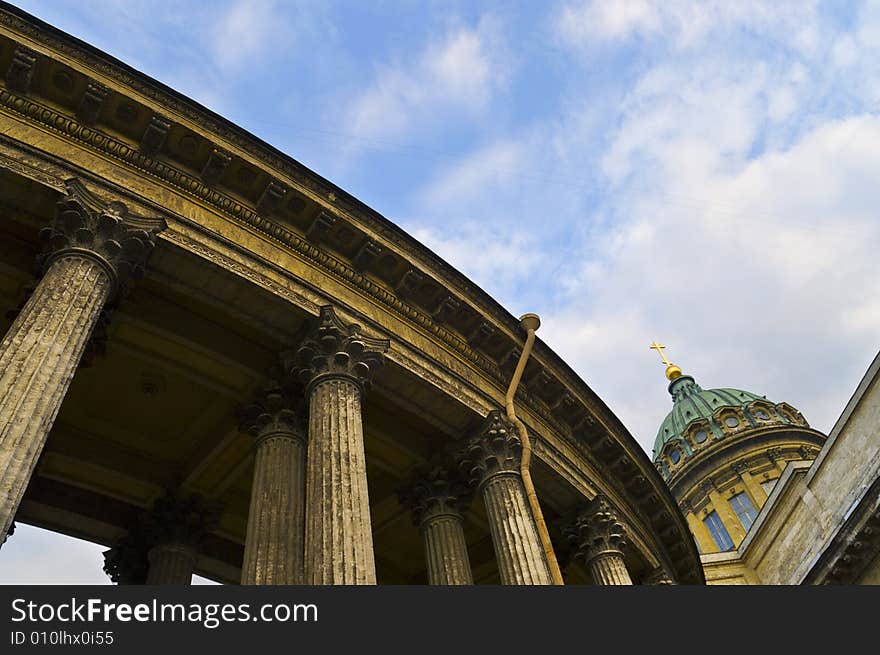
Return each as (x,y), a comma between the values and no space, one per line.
(126,562)
(434,491)
(336,350)
(105,232)
(495,449)
(178,519)
(174,519)
(597,530)
(275,409)
(658,576)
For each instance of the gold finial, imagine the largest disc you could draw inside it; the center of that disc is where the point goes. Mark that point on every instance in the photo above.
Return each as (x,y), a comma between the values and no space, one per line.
(672,371)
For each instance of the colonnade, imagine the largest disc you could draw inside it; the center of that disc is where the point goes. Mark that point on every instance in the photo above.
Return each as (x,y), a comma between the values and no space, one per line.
(309,517)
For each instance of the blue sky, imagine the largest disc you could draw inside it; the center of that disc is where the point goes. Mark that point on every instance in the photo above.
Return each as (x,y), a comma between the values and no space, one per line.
(701,173)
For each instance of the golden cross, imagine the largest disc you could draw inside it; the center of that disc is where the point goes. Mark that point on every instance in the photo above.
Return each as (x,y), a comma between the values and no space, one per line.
(656,346)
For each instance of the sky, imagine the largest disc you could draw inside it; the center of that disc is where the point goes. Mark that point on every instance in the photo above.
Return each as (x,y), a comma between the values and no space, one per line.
(700,173)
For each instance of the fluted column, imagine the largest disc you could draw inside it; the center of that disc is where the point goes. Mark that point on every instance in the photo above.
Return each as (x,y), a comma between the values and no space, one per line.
(273,552)
(491,460)
(335,363)
(436,498)
(175,528)
(92,250)
(171,564)
(599,538)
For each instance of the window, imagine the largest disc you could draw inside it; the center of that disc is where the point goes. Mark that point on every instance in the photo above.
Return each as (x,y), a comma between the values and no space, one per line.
(675,455)
(745,511)
(768,485)
(718,531)
(762,414)
(731,421)
(700,436)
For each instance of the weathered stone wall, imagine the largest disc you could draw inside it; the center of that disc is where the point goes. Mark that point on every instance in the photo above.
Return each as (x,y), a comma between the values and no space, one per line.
(809,512)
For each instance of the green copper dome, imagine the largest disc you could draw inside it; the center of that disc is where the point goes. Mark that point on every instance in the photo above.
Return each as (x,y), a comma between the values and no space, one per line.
(692,403)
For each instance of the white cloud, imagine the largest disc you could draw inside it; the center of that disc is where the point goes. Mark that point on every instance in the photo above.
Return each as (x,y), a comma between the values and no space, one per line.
(762,277)
(735,217)
(243,31)
(459,73)
(490,255)
(490,167)
(681,23)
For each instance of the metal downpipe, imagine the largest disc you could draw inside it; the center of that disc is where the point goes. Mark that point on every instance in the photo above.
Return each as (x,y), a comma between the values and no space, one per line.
(530,323)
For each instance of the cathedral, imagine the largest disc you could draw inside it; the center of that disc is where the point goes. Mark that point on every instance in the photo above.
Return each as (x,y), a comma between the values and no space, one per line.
(768,499)
(214,361)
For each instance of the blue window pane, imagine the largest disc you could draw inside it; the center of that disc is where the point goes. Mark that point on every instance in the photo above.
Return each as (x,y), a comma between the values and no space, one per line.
(745,511)
(718,531)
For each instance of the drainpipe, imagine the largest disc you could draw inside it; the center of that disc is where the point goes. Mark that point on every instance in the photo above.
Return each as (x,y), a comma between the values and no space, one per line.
(530,323)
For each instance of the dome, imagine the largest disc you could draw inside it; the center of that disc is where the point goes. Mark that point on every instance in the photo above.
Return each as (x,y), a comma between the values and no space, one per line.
(701,416)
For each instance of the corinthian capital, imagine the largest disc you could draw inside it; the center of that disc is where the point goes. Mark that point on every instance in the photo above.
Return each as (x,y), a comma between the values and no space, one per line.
(105,232)
(275,409)
(334,349)
(179,519)
(494,449)
(433,492)
(597,530)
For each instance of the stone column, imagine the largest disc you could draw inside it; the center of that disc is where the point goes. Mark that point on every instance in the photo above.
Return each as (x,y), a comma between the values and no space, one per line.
(93,248)
(273,551)
(491,460)
(599,538)
(175,528)
(171,564)
(436,499)
(335,362)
